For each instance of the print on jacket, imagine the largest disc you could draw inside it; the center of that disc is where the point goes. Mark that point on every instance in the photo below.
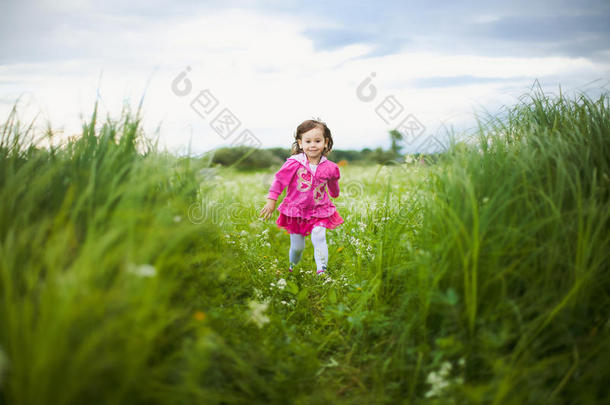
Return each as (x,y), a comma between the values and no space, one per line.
(318,192)
(304,179)
(304,183)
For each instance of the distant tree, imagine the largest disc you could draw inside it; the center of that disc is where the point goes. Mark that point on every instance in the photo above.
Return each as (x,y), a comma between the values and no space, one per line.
(349,155)
(282,153)
(396,137)
(383,157)
(246,158)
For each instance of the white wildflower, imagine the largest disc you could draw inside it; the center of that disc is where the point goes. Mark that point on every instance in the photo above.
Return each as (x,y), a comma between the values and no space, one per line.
(281,283)
(142,270)
(439,380)
(258,294)
(257,315)
(177,218)
(437,384)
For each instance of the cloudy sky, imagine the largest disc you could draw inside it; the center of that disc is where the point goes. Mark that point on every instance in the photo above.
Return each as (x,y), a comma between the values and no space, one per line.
(221,72)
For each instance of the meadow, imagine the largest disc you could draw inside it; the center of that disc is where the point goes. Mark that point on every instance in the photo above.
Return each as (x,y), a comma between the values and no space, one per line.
(129,275)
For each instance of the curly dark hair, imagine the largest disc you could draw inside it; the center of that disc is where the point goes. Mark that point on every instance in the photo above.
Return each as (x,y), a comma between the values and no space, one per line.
(307,126)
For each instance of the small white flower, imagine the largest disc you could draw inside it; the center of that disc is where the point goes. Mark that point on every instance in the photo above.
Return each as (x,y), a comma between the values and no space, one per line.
(143,270)
(281,283)
(177,218)
(243,233)
(258,294)
(257,315)
(437,384)
(440,381)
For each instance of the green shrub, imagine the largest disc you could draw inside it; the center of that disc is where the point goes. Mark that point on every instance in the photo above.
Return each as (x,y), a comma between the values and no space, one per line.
(245,158)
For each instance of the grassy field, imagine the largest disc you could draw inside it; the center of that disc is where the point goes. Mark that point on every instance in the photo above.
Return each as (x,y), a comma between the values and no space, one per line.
(130,276)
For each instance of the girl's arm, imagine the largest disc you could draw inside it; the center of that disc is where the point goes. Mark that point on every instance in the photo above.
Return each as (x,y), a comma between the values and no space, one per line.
(333,183)
(282,178)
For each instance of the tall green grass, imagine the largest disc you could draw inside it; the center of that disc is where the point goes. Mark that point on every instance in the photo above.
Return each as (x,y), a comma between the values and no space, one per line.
(482,278)
(96,257)
(513,274)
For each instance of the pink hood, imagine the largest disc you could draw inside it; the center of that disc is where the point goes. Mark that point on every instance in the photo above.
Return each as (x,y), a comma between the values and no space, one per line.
(306,194)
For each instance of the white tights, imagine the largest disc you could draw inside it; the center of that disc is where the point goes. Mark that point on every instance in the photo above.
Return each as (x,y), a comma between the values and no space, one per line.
(320,249)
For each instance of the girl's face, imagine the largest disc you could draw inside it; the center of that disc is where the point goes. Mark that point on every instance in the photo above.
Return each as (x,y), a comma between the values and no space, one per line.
(313,143)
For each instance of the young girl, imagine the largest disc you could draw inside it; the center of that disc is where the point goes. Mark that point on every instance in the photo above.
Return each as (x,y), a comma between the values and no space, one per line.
(306,209)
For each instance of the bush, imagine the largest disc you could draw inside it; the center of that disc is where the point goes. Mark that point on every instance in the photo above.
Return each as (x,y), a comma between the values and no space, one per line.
(246,158)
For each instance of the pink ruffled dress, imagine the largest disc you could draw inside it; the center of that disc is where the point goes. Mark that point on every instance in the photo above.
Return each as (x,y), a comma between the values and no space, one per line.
(305,226)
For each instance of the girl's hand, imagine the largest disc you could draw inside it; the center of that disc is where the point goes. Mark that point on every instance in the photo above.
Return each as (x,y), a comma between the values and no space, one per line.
(268,209)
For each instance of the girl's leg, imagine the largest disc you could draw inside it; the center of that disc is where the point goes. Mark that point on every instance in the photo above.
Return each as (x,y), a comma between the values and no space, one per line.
(297,244)
(320,252)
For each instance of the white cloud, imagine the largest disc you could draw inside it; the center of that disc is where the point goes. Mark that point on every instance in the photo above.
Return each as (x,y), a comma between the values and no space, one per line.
(264,69)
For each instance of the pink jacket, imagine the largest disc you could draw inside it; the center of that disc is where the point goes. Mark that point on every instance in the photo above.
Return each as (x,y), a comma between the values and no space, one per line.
(306,195)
